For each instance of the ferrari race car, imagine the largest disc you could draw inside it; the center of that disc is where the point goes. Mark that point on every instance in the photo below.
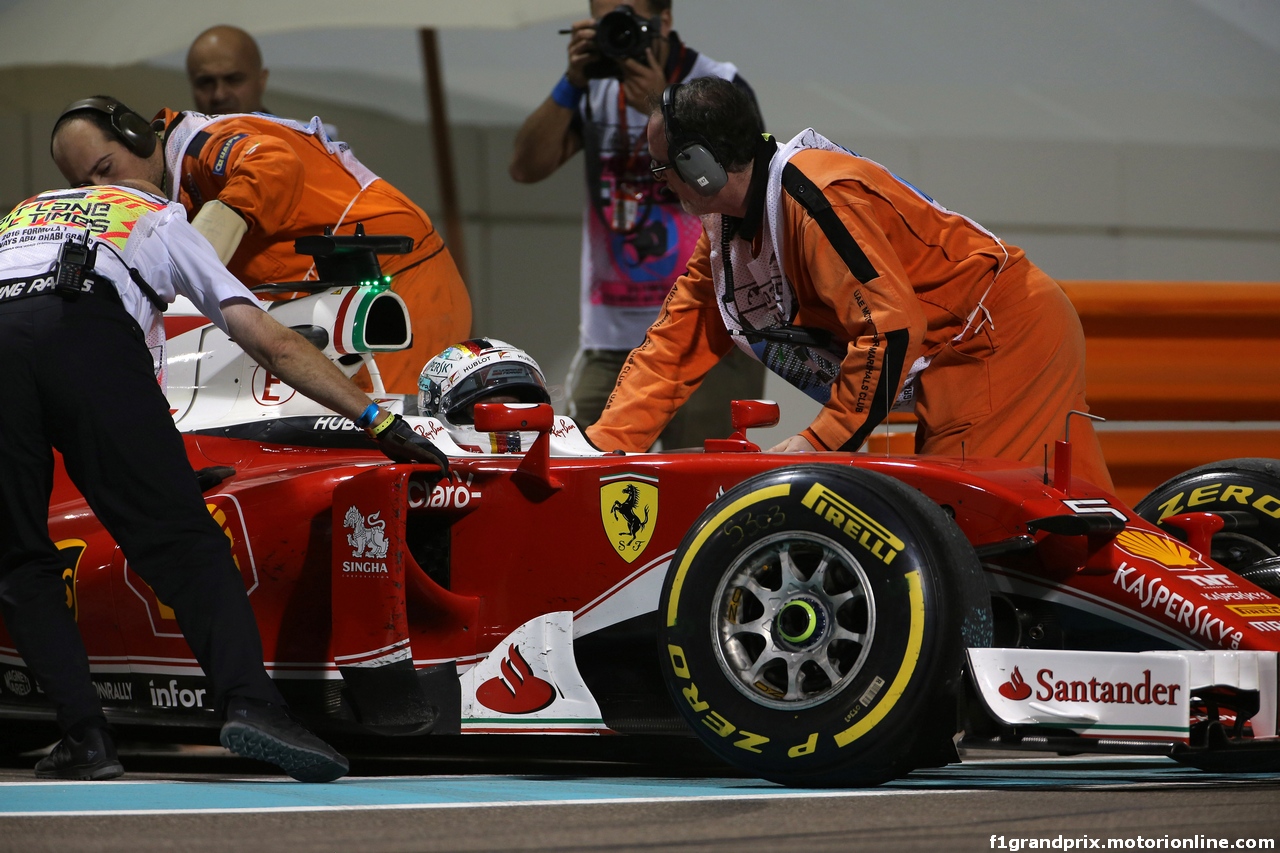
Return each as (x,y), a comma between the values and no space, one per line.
(839,619)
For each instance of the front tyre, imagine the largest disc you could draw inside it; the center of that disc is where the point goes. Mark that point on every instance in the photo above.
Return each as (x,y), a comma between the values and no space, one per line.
(813,626)
(1248,487)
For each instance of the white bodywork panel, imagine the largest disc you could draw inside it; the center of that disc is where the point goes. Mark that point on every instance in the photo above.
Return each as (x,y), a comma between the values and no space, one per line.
(1120,695)
(530,683)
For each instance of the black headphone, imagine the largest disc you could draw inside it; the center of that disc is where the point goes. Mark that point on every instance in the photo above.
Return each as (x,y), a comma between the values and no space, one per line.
(690,153)
(134,131)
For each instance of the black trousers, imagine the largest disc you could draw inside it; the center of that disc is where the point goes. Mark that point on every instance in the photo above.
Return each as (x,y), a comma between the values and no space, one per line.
(77,376)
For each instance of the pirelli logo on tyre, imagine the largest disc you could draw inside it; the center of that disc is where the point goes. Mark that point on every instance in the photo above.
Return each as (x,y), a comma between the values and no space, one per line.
(853,522)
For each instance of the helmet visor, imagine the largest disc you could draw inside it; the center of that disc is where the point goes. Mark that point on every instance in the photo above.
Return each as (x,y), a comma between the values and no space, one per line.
(504,377)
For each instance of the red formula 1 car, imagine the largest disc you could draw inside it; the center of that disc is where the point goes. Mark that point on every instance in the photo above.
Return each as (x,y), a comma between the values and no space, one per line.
(836,619)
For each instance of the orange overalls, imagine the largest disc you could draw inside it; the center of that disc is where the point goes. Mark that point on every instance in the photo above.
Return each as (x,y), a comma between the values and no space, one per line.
(1003,389)
(287,184)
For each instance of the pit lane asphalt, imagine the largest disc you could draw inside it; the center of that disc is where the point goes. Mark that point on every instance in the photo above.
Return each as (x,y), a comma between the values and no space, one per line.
(619,798)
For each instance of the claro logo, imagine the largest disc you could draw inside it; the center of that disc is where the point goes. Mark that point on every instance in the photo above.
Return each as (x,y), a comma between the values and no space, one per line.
(1095,691)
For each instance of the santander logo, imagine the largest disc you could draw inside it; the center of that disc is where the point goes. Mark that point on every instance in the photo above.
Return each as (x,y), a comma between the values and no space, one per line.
(1016,688)
(517,690)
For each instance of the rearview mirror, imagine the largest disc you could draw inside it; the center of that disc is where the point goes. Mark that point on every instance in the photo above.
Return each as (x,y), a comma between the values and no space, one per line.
(751,414)
(514,417)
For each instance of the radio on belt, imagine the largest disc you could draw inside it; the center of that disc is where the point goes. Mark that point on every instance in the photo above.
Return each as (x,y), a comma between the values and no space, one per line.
(75,262)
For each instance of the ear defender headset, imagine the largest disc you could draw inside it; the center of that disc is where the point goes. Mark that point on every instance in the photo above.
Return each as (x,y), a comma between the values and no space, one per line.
(690,153)
(133,131)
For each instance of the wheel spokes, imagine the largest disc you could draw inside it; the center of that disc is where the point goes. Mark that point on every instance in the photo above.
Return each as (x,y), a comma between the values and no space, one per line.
(797,576)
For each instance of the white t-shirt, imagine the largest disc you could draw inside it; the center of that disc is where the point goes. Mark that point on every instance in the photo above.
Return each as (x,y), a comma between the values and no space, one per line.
(636,239)
(132,229)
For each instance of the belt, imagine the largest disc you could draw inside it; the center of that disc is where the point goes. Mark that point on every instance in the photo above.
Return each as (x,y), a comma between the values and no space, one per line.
(13,289)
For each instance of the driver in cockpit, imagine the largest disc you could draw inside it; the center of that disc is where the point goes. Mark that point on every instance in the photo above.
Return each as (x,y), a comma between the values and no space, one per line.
(480,370)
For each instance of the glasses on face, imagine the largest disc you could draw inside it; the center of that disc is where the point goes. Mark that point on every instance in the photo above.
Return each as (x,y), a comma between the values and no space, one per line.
(658,168)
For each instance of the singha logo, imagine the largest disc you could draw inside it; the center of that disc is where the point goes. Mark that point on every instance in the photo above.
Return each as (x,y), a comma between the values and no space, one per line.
(1016,688)
(368,538)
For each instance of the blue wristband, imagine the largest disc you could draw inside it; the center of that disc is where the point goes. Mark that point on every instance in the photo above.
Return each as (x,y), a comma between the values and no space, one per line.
(566,94)
(366,418)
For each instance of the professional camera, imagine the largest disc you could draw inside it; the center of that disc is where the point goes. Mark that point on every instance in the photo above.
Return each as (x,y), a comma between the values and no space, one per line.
(620,35)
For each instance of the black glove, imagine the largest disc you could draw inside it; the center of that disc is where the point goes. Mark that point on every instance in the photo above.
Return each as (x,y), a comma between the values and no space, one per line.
(401,444)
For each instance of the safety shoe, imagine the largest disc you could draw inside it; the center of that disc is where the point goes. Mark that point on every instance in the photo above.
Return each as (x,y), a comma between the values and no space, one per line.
(91,756)
(266,732)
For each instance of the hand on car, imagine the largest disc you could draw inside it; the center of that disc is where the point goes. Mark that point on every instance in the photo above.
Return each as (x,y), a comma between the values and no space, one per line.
(400,443)
(794,444)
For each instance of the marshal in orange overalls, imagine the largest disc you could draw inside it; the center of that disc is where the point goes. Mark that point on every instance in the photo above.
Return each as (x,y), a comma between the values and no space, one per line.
(1002,389)
(288,184)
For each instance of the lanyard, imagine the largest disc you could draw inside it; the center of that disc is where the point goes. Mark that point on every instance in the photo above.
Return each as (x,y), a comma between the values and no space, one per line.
(632,167)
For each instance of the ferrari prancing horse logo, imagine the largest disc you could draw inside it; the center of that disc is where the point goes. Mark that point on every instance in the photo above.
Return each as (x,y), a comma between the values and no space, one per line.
(629,511)
(73,550)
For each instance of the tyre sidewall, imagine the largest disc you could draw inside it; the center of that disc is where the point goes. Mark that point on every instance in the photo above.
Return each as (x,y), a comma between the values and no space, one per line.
(1236,485)
(916,645)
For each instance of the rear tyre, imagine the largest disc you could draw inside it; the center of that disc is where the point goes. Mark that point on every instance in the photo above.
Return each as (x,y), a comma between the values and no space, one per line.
(812,626)
(1248,486)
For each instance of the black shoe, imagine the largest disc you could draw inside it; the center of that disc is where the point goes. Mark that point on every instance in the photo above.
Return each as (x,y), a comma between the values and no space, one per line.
(92,756)
(267,732)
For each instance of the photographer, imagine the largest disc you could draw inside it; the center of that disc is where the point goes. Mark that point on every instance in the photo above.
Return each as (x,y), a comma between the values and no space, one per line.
(636,238)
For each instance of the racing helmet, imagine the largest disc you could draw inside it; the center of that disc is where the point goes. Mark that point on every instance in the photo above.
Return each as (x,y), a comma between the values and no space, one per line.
(471,372)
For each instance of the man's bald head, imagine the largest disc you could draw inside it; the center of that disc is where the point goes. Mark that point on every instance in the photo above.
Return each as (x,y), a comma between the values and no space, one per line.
(224,66)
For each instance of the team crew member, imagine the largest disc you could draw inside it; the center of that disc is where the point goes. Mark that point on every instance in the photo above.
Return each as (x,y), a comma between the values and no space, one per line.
(635,238)
(255,183)
(84,275)
(856,288)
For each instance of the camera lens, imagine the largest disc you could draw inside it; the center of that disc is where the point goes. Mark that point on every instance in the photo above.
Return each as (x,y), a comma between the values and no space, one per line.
(621,34)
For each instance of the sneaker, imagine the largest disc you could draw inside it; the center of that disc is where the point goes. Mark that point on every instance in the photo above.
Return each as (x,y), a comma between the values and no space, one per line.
(267,732)
(91,756)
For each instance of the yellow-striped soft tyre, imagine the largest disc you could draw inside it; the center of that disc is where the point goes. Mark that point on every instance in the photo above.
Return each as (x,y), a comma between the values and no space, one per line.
(1247,493)
(813,624)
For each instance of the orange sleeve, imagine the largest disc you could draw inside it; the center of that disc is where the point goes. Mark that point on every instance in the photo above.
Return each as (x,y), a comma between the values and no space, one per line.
(259,176)
(685,342)
(881,318)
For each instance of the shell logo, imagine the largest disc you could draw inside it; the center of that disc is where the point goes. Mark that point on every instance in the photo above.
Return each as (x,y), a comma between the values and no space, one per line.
(1161,549)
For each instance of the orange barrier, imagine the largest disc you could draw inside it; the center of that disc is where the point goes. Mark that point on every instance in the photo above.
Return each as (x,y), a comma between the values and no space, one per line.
(1163,356)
